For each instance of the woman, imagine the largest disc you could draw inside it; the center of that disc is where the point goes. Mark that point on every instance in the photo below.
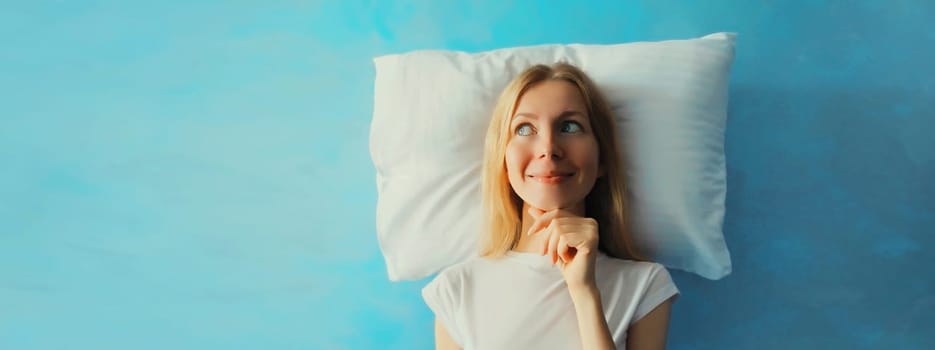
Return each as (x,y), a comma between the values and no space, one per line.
(557,269)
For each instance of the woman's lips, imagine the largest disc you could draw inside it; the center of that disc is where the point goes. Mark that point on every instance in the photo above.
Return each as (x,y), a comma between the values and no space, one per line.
(551,179)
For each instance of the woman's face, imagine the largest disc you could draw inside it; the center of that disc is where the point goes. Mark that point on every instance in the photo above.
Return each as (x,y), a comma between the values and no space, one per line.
(552,156)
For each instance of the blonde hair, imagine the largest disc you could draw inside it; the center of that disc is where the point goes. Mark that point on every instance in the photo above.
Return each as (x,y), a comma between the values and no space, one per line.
(607,201)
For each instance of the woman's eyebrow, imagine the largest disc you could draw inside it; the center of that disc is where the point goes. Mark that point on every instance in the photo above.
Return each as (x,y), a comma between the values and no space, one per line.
(564,114)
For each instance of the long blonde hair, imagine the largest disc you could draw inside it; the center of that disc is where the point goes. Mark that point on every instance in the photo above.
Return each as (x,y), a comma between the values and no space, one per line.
(607,201)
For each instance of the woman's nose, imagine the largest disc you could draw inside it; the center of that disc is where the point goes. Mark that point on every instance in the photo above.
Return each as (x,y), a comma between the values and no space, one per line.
(549,148)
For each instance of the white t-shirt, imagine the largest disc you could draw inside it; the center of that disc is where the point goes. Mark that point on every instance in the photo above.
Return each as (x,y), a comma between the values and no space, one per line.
(522,302)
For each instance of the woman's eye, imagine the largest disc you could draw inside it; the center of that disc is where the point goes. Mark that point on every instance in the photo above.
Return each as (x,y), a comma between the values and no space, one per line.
(571,127)
(524,130)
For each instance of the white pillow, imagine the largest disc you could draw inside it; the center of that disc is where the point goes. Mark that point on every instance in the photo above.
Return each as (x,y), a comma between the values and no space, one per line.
(431,110)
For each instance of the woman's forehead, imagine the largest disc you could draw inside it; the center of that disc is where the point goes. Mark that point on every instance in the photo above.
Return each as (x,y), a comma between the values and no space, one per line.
(550,98)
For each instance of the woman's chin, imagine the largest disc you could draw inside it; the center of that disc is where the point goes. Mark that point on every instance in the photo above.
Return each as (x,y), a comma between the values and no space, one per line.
(545,205)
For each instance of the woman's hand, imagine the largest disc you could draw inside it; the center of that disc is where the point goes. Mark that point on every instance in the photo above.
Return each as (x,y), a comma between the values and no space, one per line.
(572,243)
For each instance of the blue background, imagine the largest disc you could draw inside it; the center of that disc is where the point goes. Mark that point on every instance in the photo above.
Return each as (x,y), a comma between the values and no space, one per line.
(196,175)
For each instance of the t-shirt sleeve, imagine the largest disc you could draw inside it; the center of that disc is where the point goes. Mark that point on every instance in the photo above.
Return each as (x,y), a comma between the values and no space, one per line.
(441,296)
(660,288)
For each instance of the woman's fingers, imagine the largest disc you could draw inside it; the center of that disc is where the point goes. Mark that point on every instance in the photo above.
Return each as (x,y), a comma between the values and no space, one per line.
(542,218)
(552,247)
(566,235)
(563,249)
(548,236)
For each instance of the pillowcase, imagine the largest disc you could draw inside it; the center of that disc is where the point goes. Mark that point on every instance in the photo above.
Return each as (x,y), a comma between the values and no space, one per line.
(669,98)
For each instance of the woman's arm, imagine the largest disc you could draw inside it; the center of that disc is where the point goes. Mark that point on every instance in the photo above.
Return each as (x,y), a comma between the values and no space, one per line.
(443,341)
(649,332)
(592,326)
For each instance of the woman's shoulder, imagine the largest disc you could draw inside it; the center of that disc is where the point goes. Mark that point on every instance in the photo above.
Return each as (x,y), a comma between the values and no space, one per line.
(628,263)
(628,269)
(459,270)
